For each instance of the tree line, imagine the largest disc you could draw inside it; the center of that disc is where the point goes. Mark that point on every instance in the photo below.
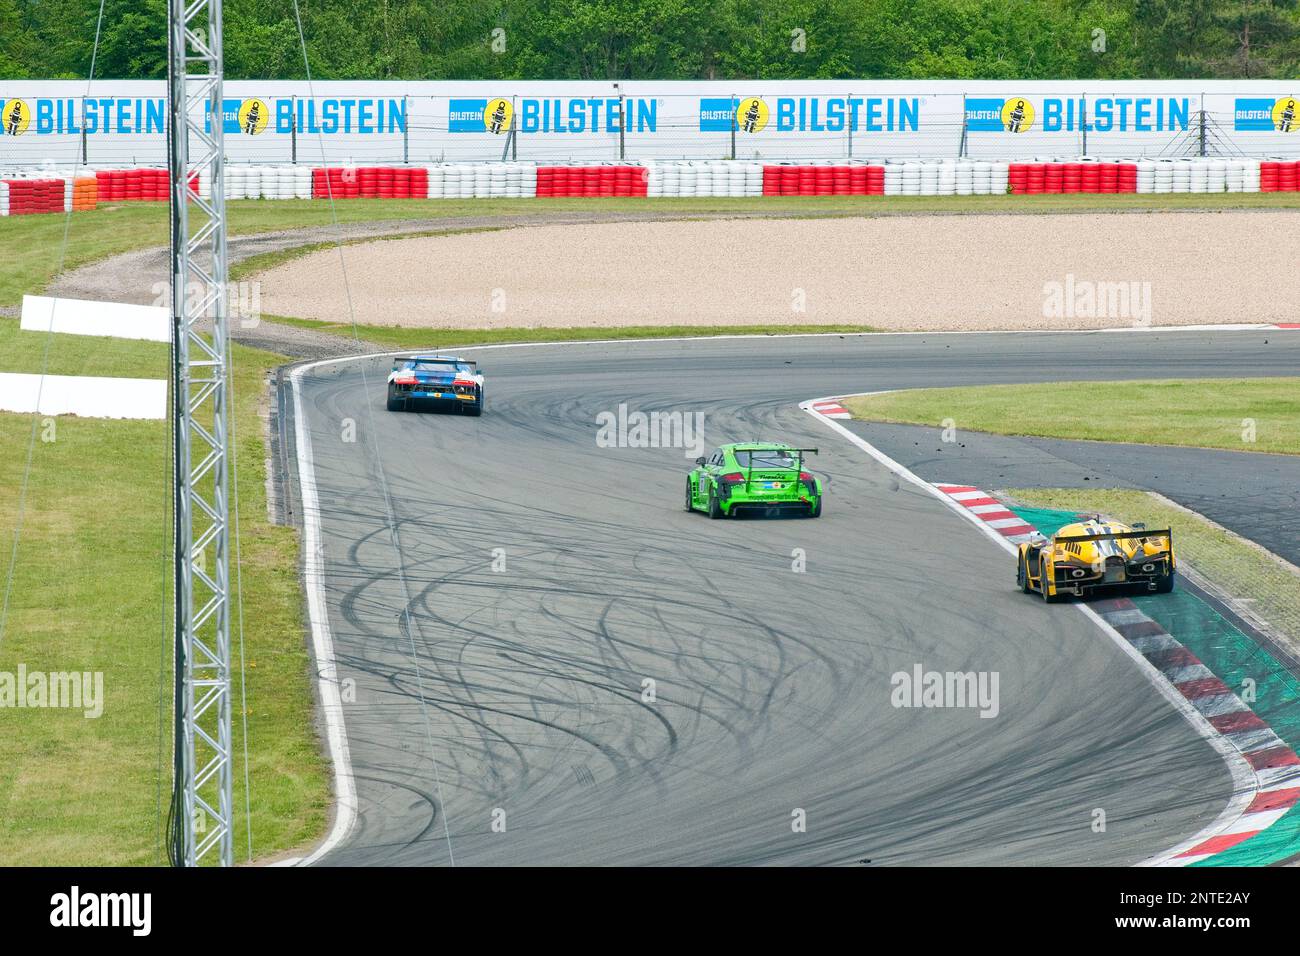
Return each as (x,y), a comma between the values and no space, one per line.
(674,39)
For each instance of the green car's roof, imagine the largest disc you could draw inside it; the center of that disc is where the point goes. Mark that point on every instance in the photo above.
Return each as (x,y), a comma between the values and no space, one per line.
(758,446)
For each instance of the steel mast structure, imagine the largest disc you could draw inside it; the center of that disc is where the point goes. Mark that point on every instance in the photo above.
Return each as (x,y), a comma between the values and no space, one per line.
(202,806)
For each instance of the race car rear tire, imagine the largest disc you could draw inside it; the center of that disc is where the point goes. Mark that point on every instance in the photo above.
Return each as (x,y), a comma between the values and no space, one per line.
(1022,575)
(816,511)
(715,509)
(1042,577)
(1166,584)
(690,496)
(395,404)
(475,410)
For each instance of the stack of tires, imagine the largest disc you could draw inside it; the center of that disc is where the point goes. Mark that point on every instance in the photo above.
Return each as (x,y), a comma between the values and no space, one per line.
(27,197)
(83,193)
(1081,176)
(591,181)
(336,182)
(678,178)
(845,179)
(1278,176)
(961,177)
(478,180)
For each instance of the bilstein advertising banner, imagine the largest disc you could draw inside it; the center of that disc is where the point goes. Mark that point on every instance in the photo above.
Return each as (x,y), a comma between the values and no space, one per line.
(339,122)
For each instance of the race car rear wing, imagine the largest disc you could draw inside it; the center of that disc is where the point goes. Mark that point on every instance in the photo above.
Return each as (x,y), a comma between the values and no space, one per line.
(416,358)
(798,453)
(1166,533)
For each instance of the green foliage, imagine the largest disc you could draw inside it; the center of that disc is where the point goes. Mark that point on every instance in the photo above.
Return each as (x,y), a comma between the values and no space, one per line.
(677,39)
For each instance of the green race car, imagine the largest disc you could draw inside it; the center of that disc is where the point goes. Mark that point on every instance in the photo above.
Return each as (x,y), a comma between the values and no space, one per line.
(755,477)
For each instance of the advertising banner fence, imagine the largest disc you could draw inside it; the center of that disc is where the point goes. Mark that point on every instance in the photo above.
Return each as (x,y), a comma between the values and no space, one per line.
(358,122)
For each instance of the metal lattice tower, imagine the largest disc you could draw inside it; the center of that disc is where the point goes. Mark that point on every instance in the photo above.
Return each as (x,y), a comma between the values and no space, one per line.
(200,401)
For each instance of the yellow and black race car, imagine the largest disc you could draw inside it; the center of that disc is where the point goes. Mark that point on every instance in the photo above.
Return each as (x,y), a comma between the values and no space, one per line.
(1092,554)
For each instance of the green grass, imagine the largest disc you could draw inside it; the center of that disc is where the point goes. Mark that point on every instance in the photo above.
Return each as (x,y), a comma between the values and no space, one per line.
(88,595)
(32,244)
(1239,567)
(1204,413)
(405,338)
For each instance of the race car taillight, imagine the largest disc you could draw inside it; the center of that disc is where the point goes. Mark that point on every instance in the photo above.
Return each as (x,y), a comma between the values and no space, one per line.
(410,380)
(464,381)
(804,476)
(735,476)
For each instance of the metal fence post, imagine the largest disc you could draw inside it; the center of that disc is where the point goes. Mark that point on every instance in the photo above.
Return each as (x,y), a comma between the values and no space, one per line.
(622,125)
(84,161)
(1083,124)
(514,128)
(293,131)
(734,106)
(963,144)
(406,129)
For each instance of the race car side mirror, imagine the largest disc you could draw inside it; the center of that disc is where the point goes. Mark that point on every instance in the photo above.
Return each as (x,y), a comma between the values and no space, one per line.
(1139,526)
(700,460)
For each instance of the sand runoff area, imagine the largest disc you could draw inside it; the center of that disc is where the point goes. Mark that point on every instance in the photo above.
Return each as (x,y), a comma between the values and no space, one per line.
(955,272)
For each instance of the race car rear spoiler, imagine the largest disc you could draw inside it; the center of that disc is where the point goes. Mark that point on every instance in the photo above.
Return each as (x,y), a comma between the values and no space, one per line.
(1166,533)
(799,453)
(416,358)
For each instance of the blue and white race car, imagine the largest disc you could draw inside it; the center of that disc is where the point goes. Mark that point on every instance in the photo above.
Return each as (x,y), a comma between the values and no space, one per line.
(435,380)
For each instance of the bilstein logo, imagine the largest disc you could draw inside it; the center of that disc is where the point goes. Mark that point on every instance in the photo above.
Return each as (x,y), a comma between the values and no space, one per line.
(752,115)
(253,116)
(1284,115)
(17,117)
(1017,115)
(497,115)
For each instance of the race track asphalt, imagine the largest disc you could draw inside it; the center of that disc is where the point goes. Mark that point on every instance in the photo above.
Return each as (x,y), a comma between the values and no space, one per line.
(521,690)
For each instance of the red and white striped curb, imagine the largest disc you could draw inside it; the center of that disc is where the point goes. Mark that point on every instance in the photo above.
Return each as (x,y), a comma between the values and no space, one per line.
(1274,762)
(984,507)
(831,409)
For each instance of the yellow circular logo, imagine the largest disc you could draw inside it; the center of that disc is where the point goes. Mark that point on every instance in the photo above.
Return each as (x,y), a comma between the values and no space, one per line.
(17,116)
(1286,115)
(1017,115)
(253,115)
(751,115)
(497,115)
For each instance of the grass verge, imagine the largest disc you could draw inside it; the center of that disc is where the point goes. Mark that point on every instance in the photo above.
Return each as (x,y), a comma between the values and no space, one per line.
(32,244)
(407,338)
(1255,414)
(89,595)
(1241,568)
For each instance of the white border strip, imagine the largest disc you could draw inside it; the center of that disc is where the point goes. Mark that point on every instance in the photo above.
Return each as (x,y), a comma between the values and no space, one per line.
(85,396)
(1244,784)
(87,317)
(345,789)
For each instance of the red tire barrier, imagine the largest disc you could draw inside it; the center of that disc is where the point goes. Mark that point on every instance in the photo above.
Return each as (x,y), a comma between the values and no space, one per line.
(1032,178)
(1288,177)
(570,181)
(823,180)
(29,197)
(135,185)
